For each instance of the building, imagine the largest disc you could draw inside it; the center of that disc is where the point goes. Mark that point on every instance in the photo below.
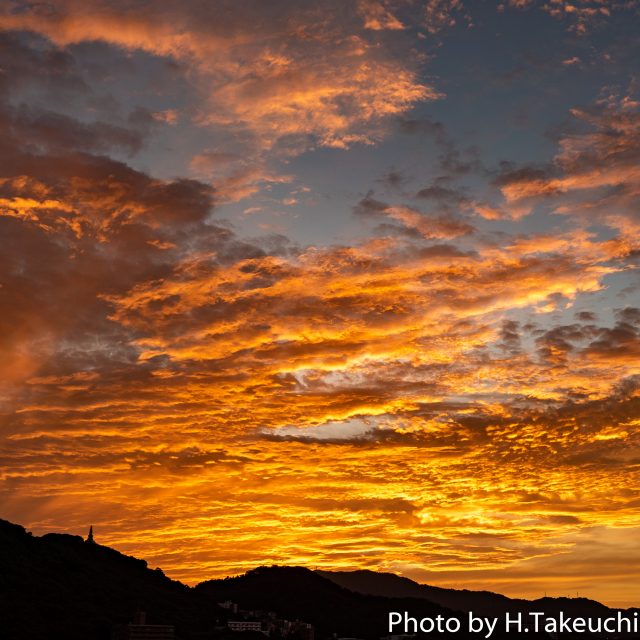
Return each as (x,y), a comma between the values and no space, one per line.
(149,632)
(245,625)
(230,606)
(140,630)
(304,631)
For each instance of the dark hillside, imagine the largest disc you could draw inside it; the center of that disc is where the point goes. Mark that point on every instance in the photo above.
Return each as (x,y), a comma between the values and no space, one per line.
(61,587)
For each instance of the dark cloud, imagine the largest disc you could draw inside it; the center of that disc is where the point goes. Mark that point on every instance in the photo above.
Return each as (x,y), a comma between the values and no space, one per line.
(442,194)
(370,206)
(460,162)
(77,228)
(422,126)
(629,315)
(510,175)
(622,341)
(41,130)
(563,519)
(557,343)
(413,222)
(29,61)
(393,179)
(510,336)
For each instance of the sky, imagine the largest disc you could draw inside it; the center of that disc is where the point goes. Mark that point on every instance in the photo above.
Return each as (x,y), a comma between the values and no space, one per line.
(343,284)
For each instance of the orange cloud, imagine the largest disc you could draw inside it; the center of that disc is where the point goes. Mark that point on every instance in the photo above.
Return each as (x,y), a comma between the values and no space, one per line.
(594,174)
(300,74)
(437,395)
(378,17)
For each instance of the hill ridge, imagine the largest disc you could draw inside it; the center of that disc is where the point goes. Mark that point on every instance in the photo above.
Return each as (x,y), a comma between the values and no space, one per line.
(57,586)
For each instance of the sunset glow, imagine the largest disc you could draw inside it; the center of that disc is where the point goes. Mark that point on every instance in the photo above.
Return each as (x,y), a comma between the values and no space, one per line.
(334,284)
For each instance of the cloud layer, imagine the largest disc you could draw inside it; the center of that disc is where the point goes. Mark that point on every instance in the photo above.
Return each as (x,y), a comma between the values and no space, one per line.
(452,392)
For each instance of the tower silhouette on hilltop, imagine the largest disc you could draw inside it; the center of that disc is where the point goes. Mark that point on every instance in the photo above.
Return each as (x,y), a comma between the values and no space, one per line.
(90,539)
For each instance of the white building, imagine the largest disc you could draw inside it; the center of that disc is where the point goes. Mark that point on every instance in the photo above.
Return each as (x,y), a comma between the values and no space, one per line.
(245,625)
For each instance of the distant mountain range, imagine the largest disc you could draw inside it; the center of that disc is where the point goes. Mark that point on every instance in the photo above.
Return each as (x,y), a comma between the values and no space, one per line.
(59,587)
(389,585)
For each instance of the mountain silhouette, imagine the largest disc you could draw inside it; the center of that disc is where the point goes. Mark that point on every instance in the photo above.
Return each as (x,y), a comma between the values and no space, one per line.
(390,585)
(299,593)
(60,587)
